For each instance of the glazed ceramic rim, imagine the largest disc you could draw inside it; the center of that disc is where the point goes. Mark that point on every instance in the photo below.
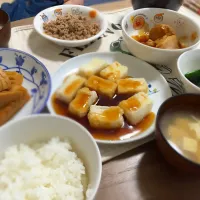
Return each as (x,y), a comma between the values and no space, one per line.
(157,49)
(158,125)
(70,42)
(180,71)
(112,142)
(45,69)
(31,117)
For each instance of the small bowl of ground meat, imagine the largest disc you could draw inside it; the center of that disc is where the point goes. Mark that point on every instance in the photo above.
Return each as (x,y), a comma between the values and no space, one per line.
(70,25)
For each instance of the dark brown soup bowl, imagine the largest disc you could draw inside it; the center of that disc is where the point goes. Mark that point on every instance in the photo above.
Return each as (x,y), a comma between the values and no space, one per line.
(5,29)
(171,155)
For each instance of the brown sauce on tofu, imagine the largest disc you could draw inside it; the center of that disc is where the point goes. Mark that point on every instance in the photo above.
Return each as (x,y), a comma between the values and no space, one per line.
(131,104)
(74,84)
(126,132)
(126,83)
(111,114)
(81,100)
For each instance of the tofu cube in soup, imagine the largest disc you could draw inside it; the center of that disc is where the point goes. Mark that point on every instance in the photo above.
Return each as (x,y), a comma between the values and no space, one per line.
(69,88)
(195,129)
(102,86)
(183,122)
(190,145)
(80,105)
(92,68)
(114,72)
(175,133)
(132,86)
(105,117)
(136,107)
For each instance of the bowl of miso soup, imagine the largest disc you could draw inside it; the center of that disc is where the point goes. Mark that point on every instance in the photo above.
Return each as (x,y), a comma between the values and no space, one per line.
(189,70)
(178,131)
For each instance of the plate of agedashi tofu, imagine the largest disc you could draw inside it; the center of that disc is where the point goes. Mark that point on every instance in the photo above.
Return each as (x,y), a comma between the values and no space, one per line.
(113,95)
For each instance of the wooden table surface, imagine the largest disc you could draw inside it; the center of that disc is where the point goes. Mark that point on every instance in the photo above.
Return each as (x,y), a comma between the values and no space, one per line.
(141,173)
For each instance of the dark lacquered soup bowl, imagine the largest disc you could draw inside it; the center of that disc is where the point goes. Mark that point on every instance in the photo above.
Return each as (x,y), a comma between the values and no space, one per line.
(5,29)
(173,156)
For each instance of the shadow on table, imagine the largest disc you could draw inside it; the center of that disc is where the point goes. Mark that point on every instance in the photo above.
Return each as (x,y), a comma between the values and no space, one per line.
(127,154)
(159,180)
(45,110)
(53,52)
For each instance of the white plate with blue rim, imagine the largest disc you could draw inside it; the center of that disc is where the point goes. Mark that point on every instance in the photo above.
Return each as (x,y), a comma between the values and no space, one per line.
(159,89)
(36,80)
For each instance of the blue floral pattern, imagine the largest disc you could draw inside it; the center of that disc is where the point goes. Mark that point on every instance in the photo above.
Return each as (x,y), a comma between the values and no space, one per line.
(39,87)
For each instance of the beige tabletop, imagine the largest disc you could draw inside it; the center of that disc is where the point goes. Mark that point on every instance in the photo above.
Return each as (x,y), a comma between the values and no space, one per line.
(141,173)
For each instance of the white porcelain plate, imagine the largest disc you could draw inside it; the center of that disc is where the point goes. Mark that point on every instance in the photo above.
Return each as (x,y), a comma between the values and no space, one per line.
(37,79)
(159,89)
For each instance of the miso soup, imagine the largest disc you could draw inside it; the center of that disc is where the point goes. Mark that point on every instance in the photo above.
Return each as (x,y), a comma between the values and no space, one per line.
(181,127)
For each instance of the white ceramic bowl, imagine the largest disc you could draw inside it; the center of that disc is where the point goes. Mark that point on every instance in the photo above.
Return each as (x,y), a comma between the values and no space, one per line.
(189,62)
(43,127)
(53,12)
(183,25)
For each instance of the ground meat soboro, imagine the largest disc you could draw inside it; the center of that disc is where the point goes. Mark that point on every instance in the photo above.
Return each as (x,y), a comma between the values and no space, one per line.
(71,27)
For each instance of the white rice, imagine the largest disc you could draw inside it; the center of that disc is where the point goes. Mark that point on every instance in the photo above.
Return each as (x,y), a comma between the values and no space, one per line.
(47,171)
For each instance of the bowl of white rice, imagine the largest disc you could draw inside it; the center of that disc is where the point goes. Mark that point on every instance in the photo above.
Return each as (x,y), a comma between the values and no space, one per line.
(46,157)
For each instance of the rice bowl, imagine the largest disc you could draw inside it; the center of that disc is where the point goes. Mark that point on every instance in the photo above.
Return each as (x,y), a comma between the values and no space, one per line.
(44,161)
(42,171)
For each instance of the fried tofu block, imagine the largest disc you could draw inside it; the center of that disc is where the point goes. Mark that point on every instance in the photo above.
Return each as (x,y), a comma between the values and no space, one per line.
(93,67)
(105,117)
(190,144)
(132,86)
(136,107)
(102,86)
(15,78)
(82,102)
(11,95)
(5,83)
(114,72)
(69,88)
(13,107)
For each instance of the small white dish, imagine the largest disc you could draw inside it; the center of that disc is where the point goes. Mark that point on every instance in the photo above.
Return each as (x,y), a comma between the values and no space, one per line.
(41,128)
(37,79)
(189,62)
(52,13)
(134,21)
(159,89)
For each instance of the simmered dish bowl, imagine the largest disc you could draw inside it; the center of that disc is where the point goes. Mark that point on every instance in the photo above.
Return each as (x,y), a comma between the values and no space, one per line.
(25,85)
(159,36)
(42,158)
(163,36)
(70,25)
(177,131)
(110,95)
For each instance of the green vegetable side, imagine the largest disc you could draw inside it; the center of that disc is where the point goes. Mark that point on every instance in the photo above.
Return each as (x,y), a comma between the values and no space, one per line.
(194,77)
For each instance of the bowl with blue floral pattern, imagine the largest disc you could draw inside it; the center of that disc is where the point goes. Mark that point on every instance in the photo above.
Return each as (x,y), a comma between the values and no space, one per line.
(36,80)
